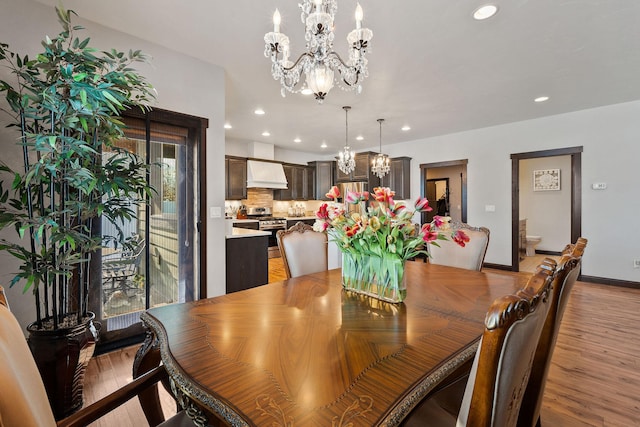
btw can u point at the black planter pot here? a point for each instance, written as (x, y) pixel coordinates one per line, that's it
(62, 357)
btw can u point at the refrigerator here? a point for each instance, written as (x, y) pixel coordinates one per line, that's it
(358, 187)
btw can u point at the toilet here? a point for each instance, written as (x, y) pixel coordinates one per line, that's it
(532, 242)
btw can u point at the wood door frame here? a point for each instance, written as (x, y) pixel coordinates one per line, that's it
(576, 194)
(463, 192)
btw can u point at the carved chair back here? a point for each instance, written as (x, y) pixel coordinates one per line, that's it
(470, 257)
(566, 276)
(303, 250)
(502, 365)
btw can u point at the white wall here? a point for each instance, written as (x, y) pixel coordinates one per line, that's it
(548, 213)
(184, 85)
(611, 154)
(609, 136)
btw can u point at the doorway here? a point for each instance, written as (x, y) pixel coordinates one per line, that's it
(575, 154)
(438, 195)
(444, 184)
(164, 268)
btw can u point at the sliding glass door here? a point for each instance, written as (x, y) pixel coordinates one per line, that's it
(159, 266)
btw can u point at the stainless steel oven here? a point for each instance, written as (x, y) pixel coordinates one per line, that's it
(272, 225)
(266, 222)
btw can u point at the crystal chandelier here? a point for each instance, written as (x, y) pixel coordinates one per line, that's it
(380, 163)
(346, 158)
(319, 62)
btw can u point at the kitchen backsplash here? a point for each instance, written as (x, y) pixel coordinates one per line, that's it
(263, 197)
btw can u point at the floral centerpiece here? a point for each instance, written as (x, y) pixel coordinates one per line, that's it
(375, 244)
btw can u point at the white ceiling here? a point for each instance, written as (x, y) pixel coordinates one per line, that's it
(431, 65)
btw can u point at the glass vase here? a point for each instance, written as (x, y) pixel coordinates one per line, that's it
(380, 277)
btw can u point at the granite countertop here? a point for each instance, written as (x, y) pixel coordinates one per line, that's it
(245, 232)
(243, 220)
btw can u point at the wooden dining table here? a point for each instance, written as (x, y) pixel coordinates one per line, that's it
(305, 352)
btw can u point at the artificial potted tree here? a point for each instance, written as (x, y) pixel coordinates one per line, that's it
(65, 106)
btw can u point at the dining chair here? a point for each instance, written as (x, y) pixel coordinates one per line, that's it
(470, 257)
(566, 276)
(303, 250)
(24, 401)
(575, 249)
(493, 392)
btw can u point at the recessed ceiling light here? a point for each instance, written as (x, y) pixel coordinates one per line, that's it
(541, 99)
(359, 137)
(406, 128)
(297, 140)
(324, 145)
(259, 111)
(306, 91)
(266, 133)
(484, 12)
(227, 126)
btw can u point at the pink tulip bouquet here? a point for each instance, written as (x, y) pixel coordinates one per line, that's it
(375, 244)
(386, 227)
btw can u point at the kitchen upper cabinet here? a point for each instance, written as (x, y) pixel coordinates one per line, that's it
(309, 183)
(324, 178)
(361, 172)
(298, 177)
(235, 169)
(399, 177)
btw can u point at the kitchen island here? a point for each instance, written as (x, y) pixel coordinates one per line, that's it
(247, 262)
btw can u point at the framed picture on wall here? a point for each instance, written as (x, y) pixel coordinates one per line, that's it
(546, 180)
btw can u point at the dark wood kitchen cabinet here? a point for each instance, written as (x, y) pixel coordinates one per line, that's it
(323, 177)
(247, 263)
(399, 177)
(299, 182)
(236, 178)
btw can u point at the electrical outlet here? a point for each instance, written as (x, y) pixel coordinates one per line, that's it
(636, 263)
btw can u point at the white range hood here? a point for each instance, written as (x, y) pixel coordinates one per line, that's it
(265, 175)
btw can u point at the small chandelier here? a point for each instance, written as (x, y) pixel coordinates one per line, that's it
(346, 158)
(319, 62)
(380, 163)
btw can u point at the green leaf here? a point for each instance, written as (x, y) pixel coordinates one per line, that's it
(111, 98)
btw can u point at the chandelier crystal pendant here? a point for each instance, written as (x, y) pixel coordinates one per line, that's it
(321, 65)
(346, 158)
(380, 163)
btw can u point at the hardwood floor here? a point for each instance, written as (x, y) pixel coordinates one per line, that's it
(529, 263)
(276, 270)
(594, 378)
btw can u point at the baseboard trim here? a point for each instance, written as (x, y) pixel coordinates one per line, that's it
(102, 348)
(581, 278)
(497, 266)
(610, 282)
(554, 253)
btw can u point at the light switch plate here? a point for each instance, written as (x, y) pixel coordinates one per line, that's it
(490, 208)
(215, 212)
(599, 185)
